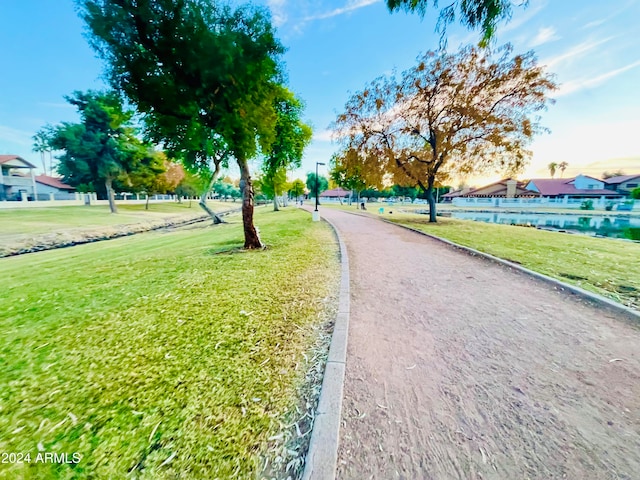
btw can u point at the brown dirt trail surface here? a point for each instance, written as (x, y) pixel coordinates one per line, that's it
(460, 368)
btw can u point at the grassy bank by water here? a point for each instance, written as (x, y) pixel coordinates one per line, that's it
(162, 355)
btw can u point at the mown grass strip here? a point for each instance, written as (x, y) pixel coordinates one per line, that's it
(155, 356)
(604, 266)
(22, 221)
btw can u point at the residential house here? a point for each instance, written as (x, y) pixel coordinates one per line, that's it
(578, 188)
(335, 194)
(52, 188)
(17, 180)
(506, 188)
(623, 184)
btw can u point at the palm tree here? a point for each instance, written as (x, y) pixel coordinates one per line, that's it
(40, 145)
(552, 168)
(563, 166)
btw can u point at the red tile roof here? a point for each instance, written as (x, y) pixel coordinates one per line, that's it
(7, 158)
(334, 193)
(550, 187)
(53, 182)
(521, 190)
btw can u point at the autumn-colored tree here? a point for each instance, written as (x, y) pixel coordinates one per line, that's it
(482, 14)
(552, 168)
(454, 113)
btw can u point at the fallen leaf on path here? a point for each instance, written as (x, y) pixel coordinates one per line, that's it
(411, 367)
(615, 360)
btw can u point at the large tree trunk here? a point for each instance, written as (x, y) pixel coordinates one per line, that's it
(112, 201)
(432, 203)
(146, 204)
(203, 198)
(275, 203)
(251, 238)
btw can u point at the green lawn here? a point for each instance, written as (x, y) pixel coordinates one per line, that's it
(161, 355)
(32, 221)
(605, 266)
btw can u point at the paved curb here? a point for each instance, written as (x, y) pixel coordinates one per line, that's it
(594, 297)
(322, 457)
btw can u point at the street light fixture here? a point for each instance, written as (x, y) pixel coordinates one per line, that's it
(317, 183)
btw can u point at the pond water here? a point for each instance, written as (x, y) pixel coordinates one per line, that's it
(611, 226)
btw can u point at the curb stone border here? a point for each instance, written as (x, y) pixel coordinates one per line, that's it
(322, 456)
(593, 297)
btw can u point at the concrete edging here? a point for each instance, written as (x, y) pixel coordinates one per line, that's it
(594, 297)
(322, 457)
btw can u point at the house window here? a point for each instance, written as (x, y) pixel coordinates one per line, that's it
(632, 185)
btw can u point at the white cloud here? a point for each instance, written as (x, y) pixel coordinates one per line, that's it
(15, 136)
(520, 20)
(574, 52)
(545, 35)
(349, 7)
(323, 136)
(278, 11)
(573, 86)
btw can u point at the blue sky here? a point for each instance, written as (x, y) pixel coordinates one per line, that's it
(337, 46)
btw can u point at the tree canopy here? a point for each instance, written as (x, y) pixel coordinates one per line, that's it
(102, 147)
(322, 183)
(453, 113)
(473, 14)
(199, 71)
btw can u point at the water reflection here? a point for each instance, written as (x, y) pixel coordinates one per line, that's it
(605, 226)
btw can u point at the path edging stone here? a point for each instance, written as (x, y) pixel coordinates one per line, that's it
(322, 456)
(594, 297)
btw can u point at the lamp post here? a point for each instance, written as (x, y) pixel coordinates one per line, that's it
(316, 215)
(317, 183)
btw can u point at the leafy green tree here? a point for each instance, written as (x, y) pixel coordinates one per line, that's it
(346, 171)
(198, 71)
(273, 184)
(190, 186)
(101, 148)
(635, 193)
(473, 14)
(148, 175)
(552, 168)
(292, 135)
(403, 191)
(453, 113)
(323, 183)
(297, 189)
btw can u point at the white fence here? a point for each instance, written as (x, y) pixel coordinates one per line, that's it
(600, 203)
(76, 199)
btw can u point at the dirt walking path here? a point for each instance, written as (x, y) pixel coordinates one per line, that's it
(458, 368)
